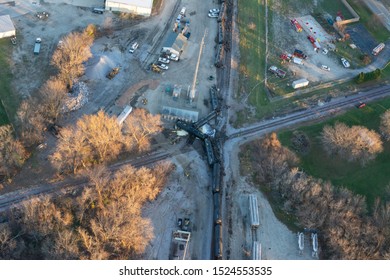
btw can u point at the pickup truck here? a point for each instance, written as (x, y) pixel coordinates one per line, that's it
(300, 54)
(37, 46)
(279, 72)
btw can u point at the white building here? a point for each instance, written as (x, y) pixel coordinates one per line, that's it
(139, 7)
(7, 28)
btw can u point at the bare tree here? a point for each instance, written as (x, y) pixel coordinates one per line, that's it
(140, 126)
(385, 125)
(12, 152)
(98, 139)
(271, 159)
(94, 139)
(355, 143)
(74, 50)
(31, 123)
(7, 242)
(51, 97)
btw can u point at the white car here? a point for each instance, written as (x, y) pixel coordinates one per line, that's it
(173, 57)
(163, 60)
(325, 51)
(211, 15)
(324, 67)
(214, 11)
(345, 62)
(162, 66)
(133, 47)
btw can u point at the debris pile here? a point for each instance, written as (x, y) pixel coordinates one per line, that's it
(77, 98)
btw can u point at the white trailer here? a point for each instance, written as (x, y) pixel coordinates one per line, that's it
(299, 83)
(297, 60)
(125, 113)
(254, 211)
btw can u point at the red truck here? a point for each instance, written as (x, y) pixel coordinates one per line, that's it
(300, 54)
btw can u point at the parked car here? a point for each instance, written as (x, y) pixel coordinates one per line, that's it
(173, 57)
(324, 67)
(162, 66)
(163, 60)
(345, 62)
(133, 47)
(213, 15)
(98, 10)
(214, 11)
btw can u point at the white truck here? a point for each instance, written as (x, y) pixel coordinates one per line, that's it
(37, 46)
(299, 83)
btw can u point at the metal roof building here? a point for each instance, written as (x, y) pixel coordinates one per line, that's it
(139, 7)
(7, 28)
(175, 43)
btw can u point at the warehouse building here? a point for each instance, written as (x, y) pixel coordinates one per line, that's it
(175, 43)
(7, 28)
(138, 7)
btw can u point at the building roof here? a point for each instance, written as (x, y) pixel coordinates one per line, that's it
(176, 41)
(6, 24)
(139, 3)
(180, 42)
(170, 40)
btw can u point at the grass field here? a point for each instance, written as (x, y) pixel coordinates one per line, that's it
(370, 180)
(9, 103)
(252, 51)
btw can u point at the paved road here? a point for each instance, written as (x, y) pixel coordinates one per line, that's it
(379, 9)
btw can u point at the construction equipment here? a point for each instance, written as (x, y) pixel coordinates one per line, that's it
(155, 68)
(113, 73)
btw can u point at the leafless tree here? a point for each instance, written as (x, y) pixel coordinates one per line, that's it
(12, 152)
(30, 122)
(355, 143)
(51, 97)
(385, 125)
(8, 242)
(140, 126)
(74, 50)
(94, 139)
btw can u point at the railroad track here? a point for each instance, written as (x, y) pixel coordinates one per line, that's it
(13, 198)
(311, 114)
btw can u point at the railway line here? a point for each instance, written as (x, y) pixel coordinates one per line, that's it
(312, 114)
(13, 198)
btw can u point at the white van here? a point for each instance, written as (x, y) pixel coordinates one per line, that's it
(183, 11)
(133, 47)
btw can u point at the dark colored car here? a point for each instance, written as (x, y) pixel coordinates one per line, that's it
(179, 222)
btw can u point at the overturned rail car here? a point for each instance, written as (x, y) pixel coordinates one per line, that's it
(191, 129)
(209, 151)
